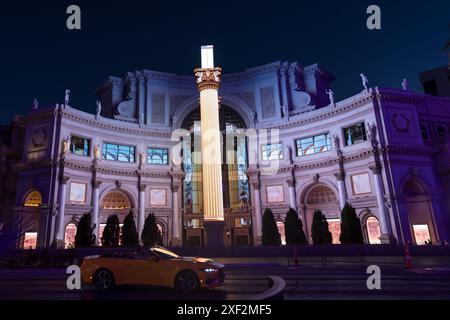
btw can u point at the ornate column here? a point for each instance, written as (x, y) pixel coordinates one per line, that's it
(341, 188)
(382, 211)
(95, 209)
(61, 210)
(141, 214)
(208, 82)
(292, 202)
(284, 92)
(141, 101)
(257, 230)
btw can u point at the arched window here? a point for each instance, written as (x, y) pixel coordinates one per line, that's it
(161, 231)
(69, 238)
(321, 194)
(33, 199)
(116, 201)
(373, 230)
(280, 226)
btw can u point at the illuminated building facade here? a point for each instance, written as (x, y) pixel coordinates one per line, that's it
(385, 151)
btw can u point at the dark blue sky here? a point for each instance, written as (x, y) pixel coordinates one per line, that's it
(40, 58)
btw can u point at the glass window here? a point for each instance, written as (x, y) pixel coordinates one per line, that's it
(158, 156)
(69, 239)
(33, 199)
(441, 131)
(373, 230)
(272, 152)
(241, 222)
(193, 224)
(421, 234)
(334, 226)
(355, 134)
(311, 145)
(118, 153)
(80, 146)
(281, 231)
(30, 240)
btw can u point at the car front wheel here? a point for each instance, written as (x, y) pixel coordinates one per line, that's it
(103, 280)
(187, 281)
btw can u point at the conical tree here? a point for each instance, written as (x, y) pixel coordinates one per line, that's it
(83, 237)
(111, 233)
(150, 233)
(270, 234)
(319, 229)
(351, 232)
(302, 236)
(294, 228)
(130, 237)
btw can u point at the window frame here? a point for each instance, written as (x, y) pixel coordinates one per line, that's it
(162, 161)
(350, 126)
(263, 151)
(104, 153)
(327, 139)
(89, 141)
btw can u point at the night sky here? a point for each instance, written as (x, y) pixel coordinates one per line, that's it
(40, 57)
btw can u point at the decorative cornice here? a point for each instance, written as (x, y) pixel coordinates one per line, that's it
(117, 126)
(320, 114)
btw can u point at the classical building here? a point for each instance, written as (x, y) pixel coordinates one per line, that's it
(385, 151)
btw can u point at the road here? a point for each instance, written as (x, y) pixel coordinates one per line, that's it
(243, 281)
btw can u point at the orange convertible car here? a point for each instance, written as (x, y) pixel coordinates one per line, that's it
(156, 266)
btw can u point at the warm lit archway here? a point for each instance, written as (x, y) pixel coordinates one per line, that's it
(33, 199)
(321, 197)
(420, 212)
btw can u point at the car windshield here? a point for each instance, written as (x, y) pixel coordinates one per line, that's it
(164, 253)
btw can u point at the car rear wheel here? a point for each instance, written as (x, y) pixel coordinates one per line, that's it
(104, 280)
(187, 281)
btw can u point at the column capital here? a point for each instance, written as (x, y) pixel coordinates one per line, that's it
(142, 187)
(63, 179)
(339, 176)
(376, 169)
(175, 187)
(208, 78)
(291, 182)
(256, 185)
(96, 184)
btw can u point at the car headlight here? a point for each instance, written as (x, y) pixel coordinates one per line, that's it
(209, 270)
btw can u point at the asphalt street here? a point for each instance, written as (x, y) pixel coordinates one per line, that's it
(243, 281)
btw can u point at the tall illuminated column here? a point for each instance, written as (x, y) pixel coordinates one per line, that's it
(208, 82)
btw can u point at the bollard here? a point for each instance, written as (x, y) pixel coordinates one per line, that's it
(408, 258)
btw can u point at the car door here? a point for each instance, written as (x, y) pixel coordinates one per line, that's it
(148, 270)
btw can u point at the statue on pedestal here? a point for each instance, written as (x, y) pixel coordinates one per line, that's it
(97, 153)
(99, 108)
(405, 84)
(35, 104)
(365, 82)
(66, 145)
(67, 97)
(330, 94)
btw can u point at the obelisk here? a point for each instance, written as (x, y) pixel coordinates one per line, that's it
(208, 82)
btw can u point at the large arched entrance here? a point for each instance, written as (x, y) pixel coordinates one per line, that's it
(234, 179)
(115, 202)
(420, 212)
(30, 220)
(323, 198)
